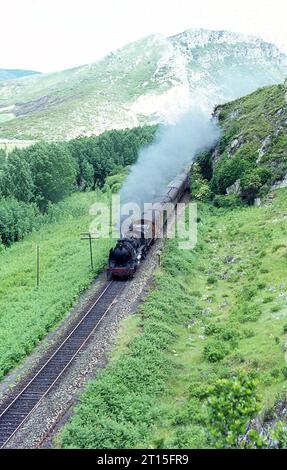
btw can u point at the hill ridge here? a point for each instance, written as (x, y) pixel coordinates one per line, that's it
(151, 80)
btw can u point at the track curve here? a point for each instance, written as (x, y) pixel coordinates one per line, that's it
(32, 393)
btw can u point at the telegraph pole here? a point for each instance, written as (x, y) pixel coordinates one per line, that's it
(38, 265)
(88, 236)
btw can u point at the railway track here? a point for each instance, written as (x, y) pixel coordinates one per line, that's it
(29, 396)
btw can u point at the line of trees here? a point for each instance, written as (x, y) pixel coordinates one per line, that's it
(34, 178)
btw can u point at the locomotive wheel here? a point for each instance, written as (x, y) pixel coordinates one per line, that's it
(109, 276)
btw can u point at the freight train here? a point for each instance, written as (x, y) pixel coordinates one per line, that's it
(132, 248)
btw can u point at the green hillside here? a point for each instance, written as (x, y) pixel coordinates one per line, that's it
(148, 81)
(76, 101)
(251, 157)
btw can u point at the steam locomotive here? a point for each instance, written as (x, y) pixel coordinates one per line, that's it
(132, 248)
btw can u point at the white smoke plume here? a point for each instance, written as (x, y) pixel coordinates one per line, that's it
(173, 148)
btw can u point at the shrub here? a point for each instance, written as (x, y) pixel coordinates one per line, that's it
(212, 280)
(191, 412)
(230, 201)
(247, 313)
(200, 189)
(188, 438)
(204, 161)
(275, 373)
(279, 435)
(198, 390)
(215, 351)
(250, 185)
(231, 404)
(284, 372)
(275, 309)
(212, 328)
(222, 331)
(247, 293)
(248, 333)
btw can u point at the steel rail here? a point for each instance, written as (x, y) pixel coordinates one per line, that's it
(42, 395)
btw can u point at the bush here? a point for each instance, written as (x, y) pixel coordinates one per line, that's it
(114, 183)
(279, 435)
(284, 372)
(198, 390)
(227, 171)
(191, 412)
(200, 189)
(250, 185)
(212, 280)
(230, 201)
(248, 333)
(204, 161)
(215, 351)
(222, 331)
(275, 373)
(247, 313)
(231, 404)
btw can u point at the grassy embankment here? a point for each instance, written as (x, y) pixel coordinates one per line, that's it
(252, 153)
(215, 310)
(27, 314)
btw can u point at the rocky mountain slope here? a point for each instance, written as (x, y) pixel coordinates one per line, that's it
(149, 81)
(251, 157)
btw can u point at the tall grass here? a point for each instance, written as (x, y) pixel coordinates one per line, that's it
(27, 313)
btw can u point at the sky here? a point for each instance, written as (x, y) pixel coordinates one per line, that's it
(50, 35)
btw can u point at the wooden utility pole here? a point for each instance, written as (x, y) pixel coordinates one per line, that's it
(88, 236)
(38, 265)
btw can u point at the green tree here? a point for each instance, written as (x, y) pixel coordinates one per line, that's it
(16, 179)
(53, 172)
(250, 185)
(17, 219)
(84, 169)
(232, 404)
(2, 160)
(200, 189)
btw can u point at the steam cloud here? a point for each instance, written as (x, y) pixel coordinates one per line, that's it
(174, 147)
